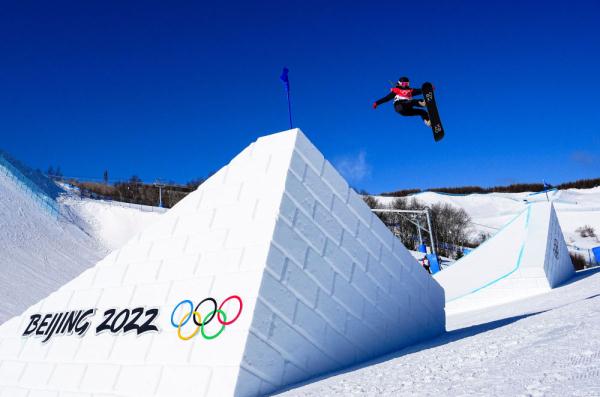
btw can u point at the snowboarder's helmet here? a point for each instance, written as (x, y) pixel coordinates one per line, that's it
(403, 81)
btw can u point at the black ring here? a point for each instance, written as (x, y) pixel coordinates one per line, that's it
(206, 321)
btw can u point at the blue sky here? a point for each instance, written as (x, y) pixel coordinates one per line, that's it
(174, 90)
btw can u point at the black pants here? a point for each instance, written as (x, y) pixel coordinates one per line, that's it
(406, 108)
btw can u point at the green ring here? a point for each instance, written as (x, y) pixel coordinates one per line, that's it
(222, 326)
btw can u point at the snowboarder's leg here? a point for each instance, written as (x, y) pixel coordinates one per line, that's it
(417, 102)
(405, 108)
(398, 107)
(410, 111)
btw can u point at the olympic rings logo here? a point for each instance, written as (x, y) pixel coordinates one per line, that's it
(194, 314)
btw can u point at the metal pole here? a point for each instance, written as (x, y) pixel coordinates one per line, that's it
(289, 107)
(430, 231)
(159, 185)
(419, 230)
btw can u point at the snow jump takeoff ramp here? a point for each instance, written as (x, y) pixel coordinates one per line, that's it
(272, 272)
(527, 257)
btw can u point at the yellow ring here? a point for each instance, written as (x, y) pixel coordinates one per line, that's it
(182, 321)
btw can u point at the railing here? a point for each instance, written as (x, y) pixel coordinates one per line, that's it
(141, 207)
(34, 191)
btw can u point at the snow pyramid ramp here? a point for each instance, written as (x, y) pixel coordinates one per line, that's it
(527, 257)
(272, 272)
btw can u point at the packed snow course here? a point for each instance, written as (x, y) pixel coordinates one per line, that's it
(545, 345)
(51, 236)
(47, 239)
(273, 271)
(528, 256)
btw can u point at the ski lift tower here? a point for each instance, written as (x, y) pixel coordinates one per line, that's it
(425, 212)
(160, 187)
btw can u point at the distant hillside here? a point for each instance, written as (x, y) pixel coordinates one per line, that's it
(513, 188)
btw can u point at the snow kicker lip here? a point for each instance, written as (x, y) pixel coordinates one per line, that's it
(194, 313)
(517, 263)
(528, 256)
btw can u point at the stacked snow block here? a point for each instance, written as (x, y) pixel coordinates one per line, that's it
(272, 272)
(527, 257)
(338, 287)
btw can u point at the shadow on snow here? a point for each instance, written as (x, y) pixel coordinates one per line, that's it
(448, 337)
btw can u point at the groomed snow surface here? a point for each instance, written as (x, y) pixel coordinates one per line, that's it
(548, 345)
(527, 257)
(277, 229)
(41, 249)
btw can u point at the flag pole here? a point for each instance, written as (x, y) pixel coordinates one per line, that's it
(286, 83)
(289, 107)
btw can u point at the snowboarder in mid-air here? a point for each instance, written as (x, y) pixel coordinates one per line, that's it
(404, 104)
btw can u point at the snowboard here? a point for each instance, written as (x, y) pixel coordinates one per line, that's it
(436, 124)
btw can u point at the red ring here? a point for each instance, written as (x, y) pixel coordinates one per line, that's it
(236, 317)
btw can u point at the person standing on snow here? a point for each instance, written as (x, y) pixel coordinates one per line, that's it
(426, 265)
(404, 103)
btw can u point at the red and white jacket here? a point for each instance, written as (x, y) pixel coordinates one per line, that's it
(400, 94)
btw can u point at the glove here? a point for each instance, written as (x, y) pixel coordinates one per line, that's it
(374, 105)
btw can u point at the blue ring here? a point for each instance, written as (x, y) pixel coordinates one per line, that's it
(187, 319)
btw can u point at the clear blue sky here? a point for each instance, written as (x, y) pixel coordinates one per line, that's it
(174, 90)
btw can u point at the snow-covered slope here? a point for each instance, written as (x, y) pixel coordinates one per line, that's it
(542, 346)
(40, 250)
(47, 240)
(112, 223)
(323, 282)
(489, 212)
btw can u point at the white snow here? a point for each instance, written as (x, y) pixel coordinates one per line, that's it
(490, 212)
(112, 223)
(546, 345)
(527, 257)
(44, 246)
(40, 250)
(317, 271)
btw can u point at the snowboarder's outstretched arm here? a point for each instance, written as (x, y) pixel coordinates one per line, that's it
(385, 99)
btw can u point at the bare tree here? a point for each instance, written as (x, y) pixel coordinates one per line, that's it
(450, 224)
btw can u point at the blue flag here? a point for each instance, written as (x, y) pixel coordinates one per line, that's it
(284, 77)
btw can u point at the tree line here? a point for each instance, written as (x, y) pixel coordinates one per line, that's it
(136, 191)
(451, 225)
(513, 188)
